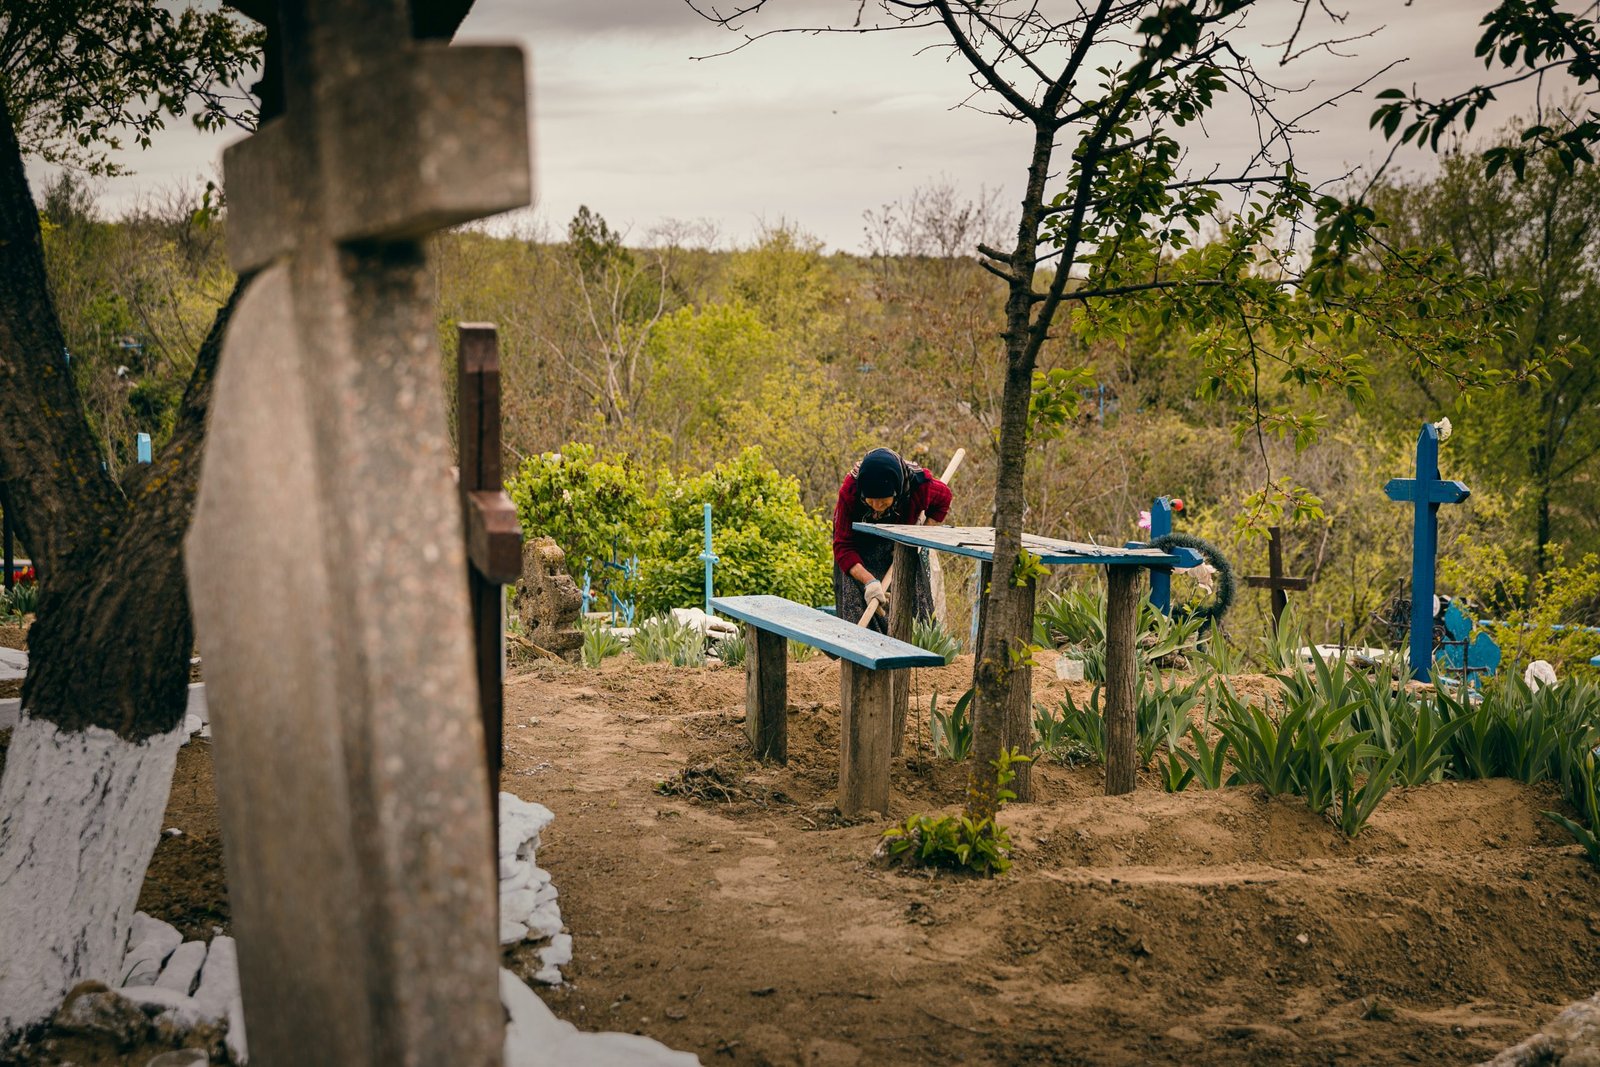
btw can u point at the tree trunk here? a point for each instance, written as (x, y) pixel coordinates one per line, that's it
(1122, 680)
(90, 764)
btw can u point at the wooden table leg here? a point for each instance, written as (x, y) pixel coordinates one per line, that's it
(1017, 730)
(766, 701)
(1122, 671)
(902, 610)
(864, 725)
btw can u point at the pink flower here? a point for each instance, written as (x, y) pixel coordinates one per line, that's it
(1144, 520)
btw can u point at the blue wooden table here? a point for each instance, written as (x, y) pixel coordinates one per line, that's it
(1124, 567)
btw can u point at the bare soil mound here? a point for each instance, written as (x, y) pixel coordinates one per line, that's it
(721, 905)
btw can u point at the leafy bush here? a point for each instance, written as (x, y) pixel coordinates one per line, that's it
(1078, 735)
(764, 539)
(1541, 617)
(589, 504)
(732, 650)
(952, 733)
(981, 846)
(599, 643)
(930, 635)
(1076, 619)
(663, 640)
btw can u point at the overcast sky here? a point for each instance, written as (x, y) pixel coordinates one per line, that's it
(818, 129)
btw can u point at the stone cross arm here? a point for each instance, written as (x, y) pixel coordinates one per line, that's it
(434, 136)
(1432, 491)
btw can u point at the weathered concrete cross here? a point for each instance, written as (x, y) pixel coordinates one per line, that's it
(1275, 579)
(494, 536)
(1427, 491)
(326, 554)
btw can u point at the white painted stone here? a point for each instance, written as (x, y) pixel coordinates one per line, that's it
(192, 724)
(179, 1009)
(706, 624)
(10, 712)
(219, 979)
(153, 941)
(237, 1045)
(13, 664)
(512, 931)
(544, 894)
(544, 921)
(1539, 674)
(536, 1038)
(520, 877)
(80, 814)
(182, 971)
(518, 902)
(558, 953)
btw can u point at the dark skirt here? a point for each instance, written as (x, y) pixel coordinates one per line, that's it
(877, 554)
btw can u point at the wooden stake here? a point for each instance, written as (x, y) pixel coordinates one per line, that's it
(863, 739)
(766, 702)
(902, 608)
(1122, 679)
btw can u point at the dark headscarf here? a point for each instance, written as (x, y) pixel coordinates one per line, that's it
(881, 474)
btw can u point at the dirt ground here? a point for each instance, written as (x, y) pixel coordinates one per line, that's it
(746, 923)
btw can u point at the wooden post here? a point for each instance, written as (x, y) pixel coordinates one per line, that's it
(902, 610)
(494, 534)
(1122, 679)
(864, 726)
(766, 693)
(1017, 729)
(985, 571)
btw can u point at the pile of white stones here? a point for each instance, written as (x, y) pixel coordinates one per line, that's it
(528, 909)
(178, 984)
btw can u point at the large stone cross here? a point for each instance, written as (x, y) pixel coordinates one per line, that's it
(326, 556)
(1427, 491)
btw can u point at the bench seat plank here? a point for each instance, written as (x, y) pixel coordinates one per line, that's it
(977, 542)
(858, 644)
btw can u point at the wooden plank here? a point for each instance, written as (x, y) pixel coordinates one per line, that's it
(902, 608)
(864, 728)
(766, 700)
(977, 542)
(494, 536)
(858, 644)
(1122, 613)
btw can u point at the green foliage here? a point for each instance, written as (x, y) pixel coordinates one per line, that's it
(663, 640)
(1583, 792)
(765, 540)
(960, 842)
(1074, 619)
(952, 731)
(1542, 616)
(1207, 764)
(800, 652)
(732, 650)
(22, 600)
(1071, 734)
(78, 74)
(1057, 395)
(929, 634)
(590, 504)
(599, 643)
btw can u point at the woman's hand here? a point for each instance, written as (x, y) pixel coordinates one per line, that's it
(874, 591)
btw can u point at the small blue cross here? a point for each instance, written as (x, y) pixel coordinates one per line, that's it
(1427, 491)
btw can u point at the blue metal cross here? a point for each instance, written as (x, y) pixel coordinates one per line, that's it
(1427, 491)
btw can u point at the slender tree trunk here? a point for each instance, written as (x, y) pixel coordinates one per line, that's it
(90, 763)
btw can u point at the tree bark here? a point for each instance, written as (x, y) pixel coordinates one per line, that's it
(86, 780)
(1122, 680)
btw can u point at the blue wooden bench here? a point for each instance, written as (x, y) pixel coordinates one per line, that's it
(867, 662)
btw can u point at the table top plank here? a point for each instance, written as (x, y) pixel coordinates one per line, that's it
(977, 542)
(858, 644)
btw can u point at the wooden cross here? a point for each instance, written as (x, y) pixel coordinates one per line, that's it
(494, 536)
(1275, 579)
(1427, 491)
(345, 706)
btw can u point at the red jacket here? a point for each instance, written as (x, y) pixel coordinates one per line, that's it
(930, 497)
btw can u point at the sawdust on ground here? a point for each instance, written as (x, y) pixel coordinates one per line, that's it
(741, 919)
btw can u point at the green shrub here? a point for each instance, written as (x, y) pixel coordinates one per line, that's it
(663, 640)
(1074, 619)
(22, 600)
(800, 652)
(589, 504)
(731, 651)
(599, 643)
(930, 635)
(981, 846)
(764, 539)
(952, 733)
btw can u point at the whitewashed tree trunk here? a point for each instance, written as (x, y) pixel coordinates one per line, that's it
(80, 816)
